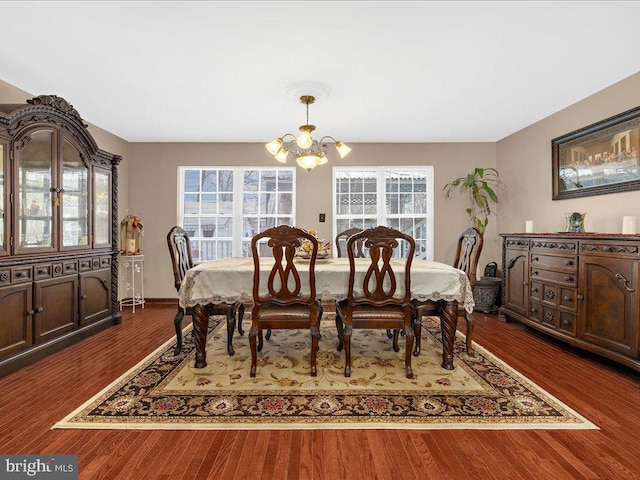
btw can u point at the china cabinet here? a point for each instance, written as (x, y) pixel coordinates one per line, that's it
(580, 288)
(58, 243)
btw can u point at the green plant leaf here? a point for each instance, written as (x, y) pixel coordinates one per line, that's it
(490, 192)
(479, 185)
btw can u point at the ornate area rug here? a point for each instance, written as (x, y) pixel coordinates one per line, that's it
(165, 391)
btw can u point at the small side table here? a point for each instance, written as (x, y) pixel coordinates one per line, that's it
(131, 281)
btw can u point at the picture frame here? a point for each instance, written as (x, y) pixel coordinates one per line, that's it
(598, 159)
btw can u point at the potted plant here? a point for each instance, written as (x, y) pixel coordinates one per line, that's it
(480, 186)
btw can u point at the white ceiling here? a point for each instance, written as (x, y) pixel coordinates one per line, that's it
(417, 71)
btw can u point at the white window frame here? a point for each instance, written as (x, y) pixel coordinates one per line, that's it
(238, 215)
(381, 210)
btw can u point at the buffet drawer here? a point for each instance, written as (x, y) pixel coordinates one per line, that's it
(561, 278)
(565, 263)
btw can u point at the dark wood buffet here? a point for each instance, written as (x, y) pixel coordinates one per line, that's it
(581, 288)
(58, 231)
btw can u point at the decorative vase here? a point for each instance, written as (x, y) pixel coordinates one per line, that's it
(575, 222)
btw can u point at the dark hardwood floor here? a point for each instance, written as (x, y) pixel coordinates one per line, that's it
(34, 398)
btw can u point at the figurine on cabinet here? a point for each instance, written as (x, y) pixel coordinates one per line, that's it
(575, 222)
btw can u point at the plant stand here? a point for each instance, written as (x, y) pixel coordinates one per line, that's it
(131, 281)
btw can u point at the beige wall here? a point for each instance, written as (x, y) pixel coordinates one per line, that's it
(153, 191)
(105, 140)
(524, 162)
(148, 180)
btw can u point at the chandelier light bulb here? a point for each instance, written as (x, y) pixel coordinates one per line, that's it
(308, 160)
(343, 149)
(304, 140)
(282, 155)
(274, 146)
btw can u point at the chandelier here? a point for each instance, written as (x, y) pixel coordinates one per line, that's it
(309, 153)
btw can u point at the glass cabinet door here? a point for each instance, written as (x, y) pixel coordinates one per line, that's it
(74, 197)
(102, 207)
(35, 189)
(3, 197)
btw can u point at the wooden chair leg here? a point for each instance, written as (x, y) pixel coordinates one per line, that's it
(347, 351)
(320, 311)
(231, 326)
(240, 317)
(417, 332)
(340, 329)
(177, 321)
(253, 333)
(315, 337)
(395, 335)
(471, 322)
(409, 337)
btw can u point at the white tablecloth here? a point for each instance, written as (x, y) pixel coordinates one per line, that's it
(231, 280)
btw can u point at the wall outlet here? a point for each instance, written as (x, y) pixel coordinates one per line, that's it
(321, 218)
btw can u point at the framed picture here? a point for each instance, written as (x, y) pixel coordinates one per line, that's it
(598, 159)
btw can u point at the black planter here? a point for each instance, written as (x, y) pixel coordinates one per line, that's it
(485, 294)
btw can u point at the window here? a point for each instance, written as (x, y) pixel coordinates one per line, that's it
(222, 208)
(400, 198)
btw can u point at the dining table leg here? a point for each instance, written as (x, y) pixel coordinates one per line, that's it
(200, 325)
(448, 325)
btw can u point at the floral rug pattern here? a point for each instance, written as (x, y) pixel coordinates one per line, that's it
(165, 392)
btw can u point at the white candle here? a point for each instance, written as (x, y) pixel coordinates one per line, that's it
(629, 224)
(528, 226)
(131, 246)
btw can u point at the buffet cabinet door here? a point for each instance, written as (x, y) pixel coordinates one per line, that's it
(16, 327)
(516, 271)
(55, 302)
(608, 303)
(95, 295)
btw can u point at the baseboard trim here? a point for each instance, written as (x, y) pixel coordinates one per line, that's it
(161, 301)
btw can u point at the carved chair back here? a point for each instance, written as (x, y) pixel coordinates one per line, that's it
(468, 253)
(379, 287)
(341, 240)
(284, 285)
(180, 251)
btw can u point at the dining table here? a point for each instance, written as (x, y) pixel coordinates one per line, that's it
(230, 280)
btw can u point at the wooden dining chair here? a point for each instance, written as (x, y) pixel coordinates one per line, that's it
(341, 242)
(181, 259)
(467, 255)
(284, 301)
(377, 302)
